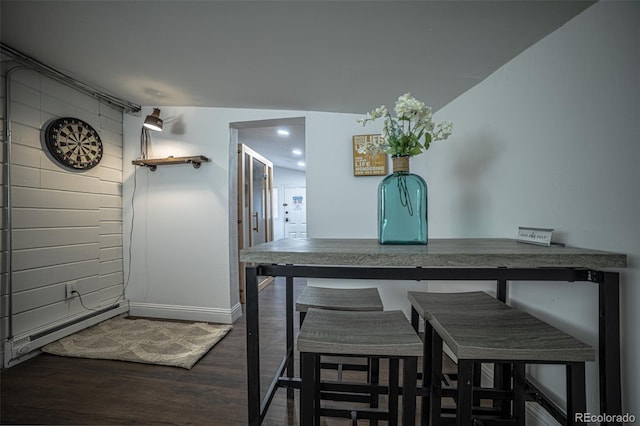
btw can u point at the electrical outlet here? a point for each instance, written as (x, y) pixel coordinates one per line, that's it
(72, 287)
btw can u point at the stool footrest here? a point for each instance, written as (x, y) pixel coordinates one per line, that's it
(361, 413)
(343, 367)
(346, 397)
(487, 412)
(450, 419)
(350, 387)
(481, 393)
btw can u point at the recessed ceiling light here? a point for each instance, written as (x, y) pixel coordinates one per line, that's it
(283, 132)
(301, 163)
(296, 152)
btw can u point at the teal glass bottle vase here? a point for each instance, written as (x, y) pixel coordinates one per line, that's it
(402, 206)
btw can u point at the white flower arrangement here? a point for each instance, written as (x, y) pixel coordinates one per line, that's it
(410, 133)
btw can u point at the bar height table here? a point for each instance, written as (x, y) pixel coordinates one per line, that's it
(477, 259)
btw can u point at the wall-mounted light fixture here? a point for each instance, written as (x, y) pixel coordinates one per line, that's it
(153, 121)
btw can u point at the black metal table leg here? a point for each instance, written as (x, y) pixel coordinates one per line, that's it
(576, 395)
(519, 384)
(502, 372)
(435, 392)
(409, 383)
(394, 369)
(501, 290)
(465, 392)
(253, 346)
(308, 390)
(427, 366)
(609, 343)
(290, 349)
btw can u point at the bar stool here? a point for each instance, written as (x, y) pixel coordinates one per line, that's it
(421, 308)
(344, 299)
(383, 334)
(477, 327)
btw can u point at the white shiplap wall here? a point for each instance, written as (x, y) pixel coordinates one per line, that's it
(67, 225)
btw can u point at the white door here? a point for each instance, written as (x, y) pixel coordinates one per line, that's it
(295, 212)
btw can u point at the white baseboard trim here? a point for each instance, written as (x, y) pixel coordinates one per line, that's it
(236, 312)
(188, 313)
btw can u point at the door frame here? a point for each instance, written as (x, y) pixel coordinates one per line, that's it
(246, 156)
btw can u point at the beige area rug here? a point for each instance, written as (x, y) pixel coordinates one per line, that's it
(176, 344)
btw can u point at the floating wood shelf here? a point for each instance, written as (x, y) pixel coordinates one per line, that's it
(153, 163)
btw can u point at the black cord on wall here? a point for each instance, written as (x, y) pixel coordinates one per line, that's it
(126, 283)
(133, 216)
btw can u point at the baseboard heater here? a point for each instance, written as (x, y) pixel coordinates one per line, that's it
(21, 348)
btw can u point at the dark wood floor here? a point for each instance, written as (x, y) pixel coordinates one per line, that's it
(56, 390)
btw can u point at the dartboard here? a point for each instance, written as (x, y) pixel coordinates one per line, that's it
(73, 143)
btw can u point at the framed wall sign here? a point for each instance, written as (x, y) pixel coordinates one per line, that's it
(368, 164)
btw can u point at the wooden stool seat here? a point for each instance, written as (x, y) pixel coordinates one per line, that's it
(379, 333)
(385, 334)
(479, 328)
(339, 299)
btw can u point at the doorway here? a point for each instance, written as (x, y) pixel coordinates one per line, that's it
(255, 206)
(280, 141)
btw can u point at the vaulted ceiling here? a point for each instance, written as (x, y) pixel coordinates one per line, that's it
(343, 56)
